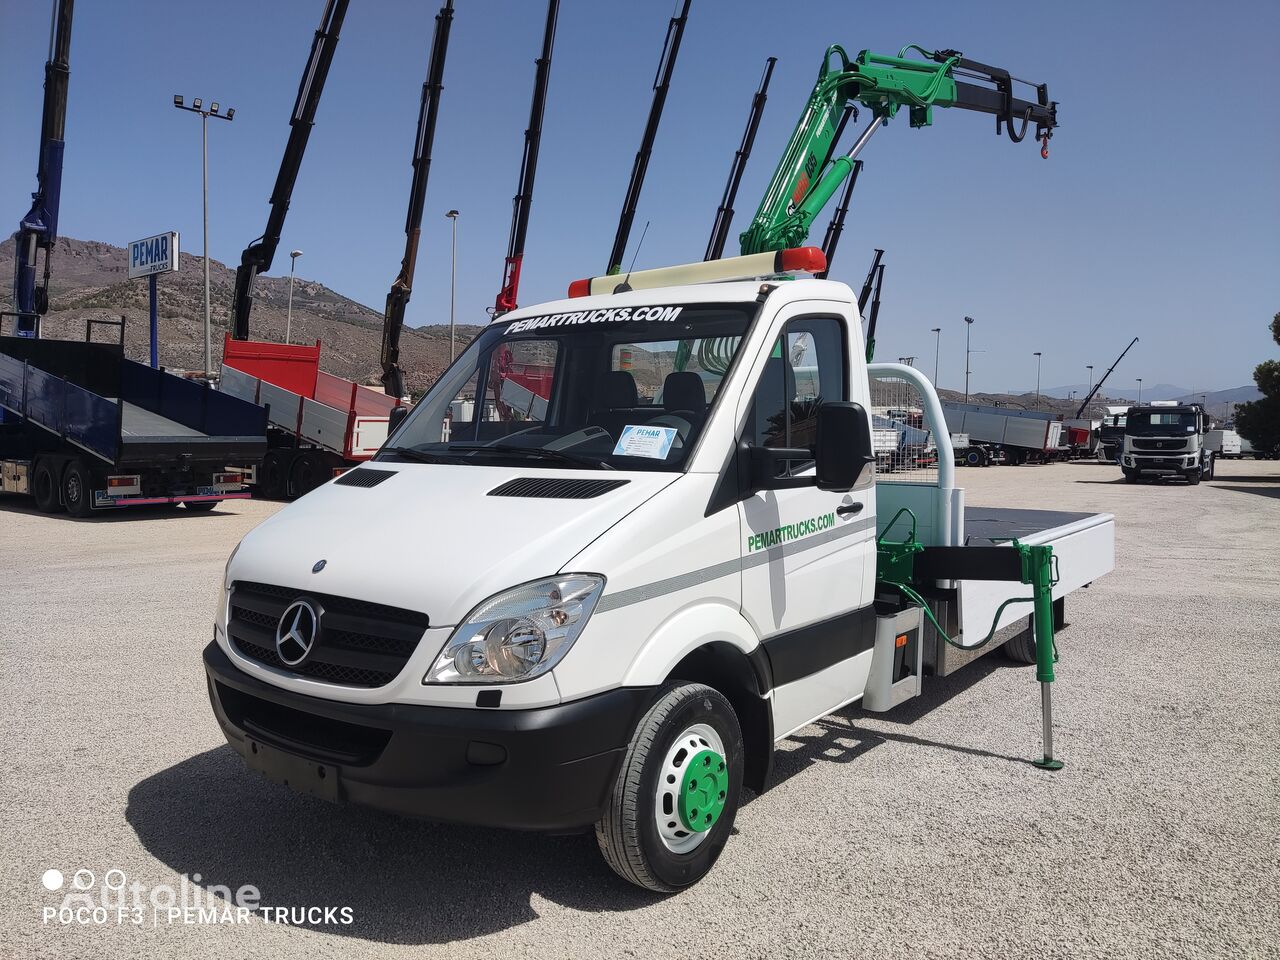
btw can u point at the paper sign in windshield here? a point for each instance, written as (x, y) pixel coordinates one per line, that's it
(652, 442)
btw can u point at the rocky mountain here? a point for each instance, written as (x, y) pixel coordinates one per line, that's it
(90, 281)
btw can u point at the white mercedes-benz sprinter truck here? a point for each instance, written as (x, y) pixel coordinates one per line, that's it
(623, 545)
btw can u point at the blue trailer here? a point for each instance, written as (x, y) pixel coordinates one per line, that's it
(85, 429)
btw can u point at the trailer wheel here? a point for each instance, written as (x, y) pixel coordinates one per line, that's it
(274, 475)
(44, 487)
(677, 793)
(973, 458)
(1022, 648)
(305, 474)
(77, 489)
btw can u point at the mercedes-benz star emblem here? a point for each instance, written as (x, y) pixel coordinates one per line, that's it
(297, 631)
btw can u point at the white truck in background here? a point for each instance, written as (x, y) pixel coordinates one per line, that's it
(1021, 436)
(1166, 439)
(1226, 444)
(606, 617)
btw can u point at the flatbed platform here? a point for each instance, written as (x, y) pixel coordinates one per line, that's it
(983, 525)
(137, 422)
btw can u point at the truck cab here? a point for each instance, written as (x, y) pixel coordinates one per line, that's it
(1166, 439)
(625, 544)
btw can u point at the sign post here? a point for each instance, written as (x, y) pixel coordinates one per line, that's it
(149, 258)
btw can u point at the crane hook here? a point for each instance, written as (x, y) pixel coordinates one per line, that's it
(1044, 146)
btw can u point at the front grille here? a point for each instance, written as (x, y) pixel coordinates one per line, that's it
(556, 488)
(1140, 444)
(359, 644)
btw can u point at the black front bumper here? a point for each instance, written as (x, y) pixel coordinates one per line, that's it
(550, 768)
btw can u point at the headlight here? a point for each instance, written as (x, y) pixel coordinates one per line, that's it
(518, 634)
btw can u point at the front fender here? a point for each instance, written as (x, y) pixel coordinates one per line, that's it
(683, 632)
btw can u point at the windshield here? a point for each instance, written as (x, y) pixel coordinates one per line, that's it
(1170, 423)
(627, 388)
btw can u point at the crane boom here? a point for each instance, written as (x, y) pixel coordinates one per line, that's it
(724, 214)
(831, 240)
(1098, 386)
(809, 174)
(38, 230)
(509, 294)
(402, 286)
(257, 256)
(661, 84)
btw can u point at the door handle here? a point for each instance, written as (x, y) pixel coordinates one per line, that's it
(849, 508)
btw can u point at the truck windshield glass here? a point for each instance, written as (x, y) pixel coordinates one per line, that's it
(623, 388)
(1171, 423)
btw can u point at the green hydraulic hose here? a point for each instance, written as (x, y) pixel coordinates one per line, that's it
(919, 601)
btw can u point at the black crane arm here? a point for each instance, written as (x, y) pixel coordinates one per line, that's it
(661, 84)
(38, 230)
(402, 286)
(508, 295)
(257, 256)
(724, 213)
(1098, 386)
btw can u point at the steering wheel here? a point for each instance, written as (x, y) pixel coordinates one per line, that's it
(681, 420)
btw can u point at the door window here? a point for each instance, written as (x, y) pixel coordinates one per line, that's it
(805, 369)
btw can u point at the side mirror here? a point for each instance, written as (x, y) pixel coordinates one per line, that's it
(843, 449)
(395, 418)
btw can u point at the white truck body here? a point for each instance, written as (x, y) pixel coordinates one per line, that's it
(682, 570)
(1225, 444)
(1026, 430)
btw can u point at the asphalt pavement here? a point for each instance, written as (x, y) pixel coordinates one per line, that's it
(921, 832)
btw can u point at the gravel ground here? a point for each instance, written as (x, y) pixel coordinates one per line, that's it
(923, 832)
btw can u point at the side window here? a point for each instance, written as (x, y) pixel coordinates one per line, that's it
(805, 369)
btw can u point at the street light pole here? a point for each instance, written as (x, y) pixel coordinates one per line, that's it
(197, 106)
(1139, 391)
(1038, 353)
(288, 323)
(453, 279)
(937, 345)
(968, 324)
(1089, 367)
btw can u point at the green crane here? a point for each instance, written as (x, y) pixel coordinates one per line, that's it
(809, 173)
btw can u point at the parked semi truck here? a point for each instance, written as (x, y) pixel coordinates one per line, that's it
(319, 424)
(86, 429)
(603, 611)
(1165, 440)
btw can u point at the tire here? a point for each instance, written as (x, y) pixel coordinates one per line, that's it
(1193, 478)
(77, 489)
(200, 506)
(273, 475)
(1130, 476)
(658, 853)
(305, 474)
(973, 458)
(44, 487)
(1022, 648)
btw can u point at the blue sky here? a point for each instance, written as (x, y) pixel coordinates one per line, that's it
(1156, 216)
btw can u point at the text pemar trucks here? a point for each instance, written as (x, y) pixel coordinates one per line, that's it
(624, 545)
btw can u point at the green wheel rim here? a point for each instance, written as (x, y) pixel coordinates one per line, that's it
(703, 790)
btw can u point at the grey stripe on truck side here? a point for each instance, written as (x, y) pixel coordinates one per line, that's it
(647, 591)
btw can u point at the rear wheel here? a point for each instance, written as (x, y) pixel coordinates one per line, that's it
(273, 475)
(677, 793)
(305, 475)
(1022, 648)
(200, 506)
(44, 487)
(1208, 474)
(77, 489)
(973, 458)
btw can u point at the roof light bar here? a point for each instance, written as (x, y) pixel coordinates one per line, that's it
(749, 267)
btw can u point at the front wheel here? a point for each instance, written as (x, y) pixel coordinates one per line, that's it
(1193, 477)
(677, 793)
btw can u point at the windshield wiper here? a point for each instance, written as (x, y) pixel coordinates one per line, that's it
(418, 456)
(541, 453)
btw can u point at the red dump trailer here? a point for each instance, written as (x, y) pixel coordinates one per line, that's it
(319, 424)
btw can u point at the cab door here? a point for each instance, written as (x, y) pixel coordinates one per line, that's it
(808, 556)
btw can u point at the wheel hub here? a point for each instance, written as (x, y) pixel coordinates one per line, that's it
(703, 790)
